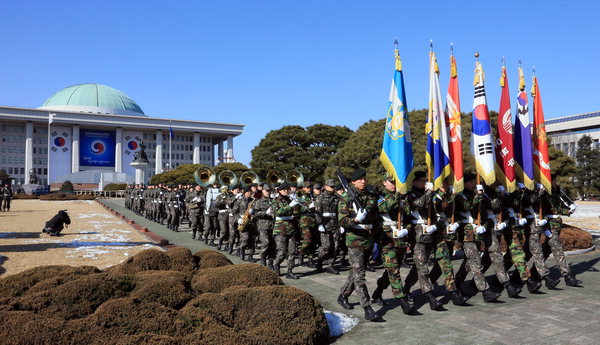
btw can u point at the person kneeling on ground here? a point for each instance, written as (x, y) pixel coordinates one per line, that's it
(60, 221)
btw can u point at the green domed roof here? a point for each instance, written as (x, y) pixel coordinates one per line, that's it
(93, 98)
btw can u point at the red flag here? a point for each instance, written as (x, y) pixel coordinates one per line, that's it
(454, 128)
(541, 159)
(505, 154)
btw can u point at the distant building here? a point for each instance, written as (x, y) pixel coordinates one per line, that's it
(566, 131)
(95, 131)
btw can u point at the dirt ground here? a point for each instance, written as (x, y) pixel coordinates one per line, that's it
(95, 236)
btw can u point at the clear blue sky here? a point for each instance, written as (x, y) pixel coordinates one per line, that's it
(266, 64)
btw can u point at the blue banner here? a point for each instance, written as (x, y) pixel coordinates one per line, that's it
(97, 148)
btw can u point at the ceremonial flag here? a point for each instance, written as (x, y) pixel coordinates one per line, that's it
(396, 152)
(171, 130)
(523, 147)
(505, 160)
(454, 128)
(437, 155)
(541, 158)
(482, 147)
(51, 118)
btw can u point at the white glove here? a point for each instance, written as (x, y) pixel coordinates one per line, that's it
(541, 222)
(520, 185)
(450, 189)
(251, 211)
(321, 228)
(450, 229)
(540, 186)
(238, 196)
(548, 233)
(429, 186)
(501, 189)
(501, 226)
(480, 230)
(239, 221)
(312, 205)
(293, 203)
(398, 233)
(196, 199)
(522, 221)
(479, 188)
(572, 207)
(269, 211)
(430, 229)
(361, 215)
(342, 230)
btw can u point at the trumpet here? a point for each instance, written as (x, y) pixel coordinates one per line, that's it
(249, 177)
(204, 176)
(228, 178)
(295, 176)
(274, 177)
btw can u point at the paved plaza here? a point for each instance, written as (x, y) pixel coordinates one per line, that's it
(566, 315)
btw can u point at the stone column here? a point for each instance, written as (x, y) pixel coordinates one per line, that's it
(230, 158)
(196, 158)
(158, 162)
(119, 151)
(75, 149)
(28, 150)
(220, 157)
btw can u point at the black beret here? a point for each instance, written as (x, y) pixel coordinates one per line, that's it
(420, 174)
(469, 177)
(339, 186)
(284, 185)
(317, 186)
(358, 174)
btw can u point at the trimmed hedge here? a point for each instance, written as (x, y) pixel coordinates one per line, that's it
(63, 196)
(115, 186)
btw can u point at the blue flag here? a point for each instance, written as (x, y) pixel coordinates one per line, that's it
(396, 152)
(522, 138)
(171, 130)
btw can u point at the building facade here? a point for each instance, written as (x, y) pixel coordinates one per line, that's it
(566, 131)
(85, 131)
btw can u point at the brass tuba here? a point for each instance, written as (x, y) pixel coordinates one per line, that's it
(275, 177)
(204, 176)
(295, 176)
(249, 177)
(228, 178)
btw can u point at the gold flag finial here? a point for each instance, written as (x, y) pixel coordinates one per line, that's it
(398, 61)
(503, 76)
(453, 70)
(533, 86)
(521, 78)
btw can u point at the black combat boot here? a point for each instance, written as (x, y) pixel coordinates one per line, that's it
(370, 268)
(290, 274)
(226, 248)
(434, 304)
(212, 243)
(206, 240)
(219, 246)
(332, 270)
(343, 301)
(310, 263)
(377, 298)
(570, 280)
(301, 259)
(550, 282)
(406, 306)
(370, 314)
(490, 296)
(457, 298)
(230, 251)
(277, 270)
(263, 262)
(250, 258)
(319, 266)
(533, 285)
(511, 289)
(408, 295)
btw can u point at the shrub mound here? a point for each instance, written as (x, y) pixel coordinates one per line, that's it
(210, 259)
(63, 196)
(574, 238)
(25, 196)
(158, 298)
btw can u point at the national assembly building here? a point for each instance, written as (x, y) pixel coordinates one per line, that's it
(94, 133)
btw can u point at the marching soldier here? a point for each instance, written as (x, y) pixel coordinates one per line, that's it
(307, 224)
(393, 244)
(195, 205)
(211, 215)
(284, 230)
(468, 204)
(326, 205)
(234, 214)
(339, 237)
(357, 214)
(263, 215)
(245, 225)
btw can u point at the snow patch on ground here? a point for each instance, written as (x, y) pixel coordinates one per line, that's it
(92, 250)
(339, 323)
(92, 215)
(587, 211)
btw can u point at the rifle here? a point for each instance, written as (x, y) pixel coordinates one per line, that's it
(351, 193)
(564, 197)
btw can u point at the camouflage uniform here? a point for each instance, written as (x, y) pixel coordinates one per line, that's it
(393, 249)
(284, 231)
(467, 206)
(326, 205)
(223, 217)
(211, 216)
(263, 216)
(195, 205)
(492, 256)
(359, 239)
(247, 233)
(234, 211)
(307, 225)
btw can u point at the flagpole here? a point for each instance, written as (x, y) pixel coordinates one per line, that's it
(400, 208)
(170, 145)
(534, 94)
(50, 116)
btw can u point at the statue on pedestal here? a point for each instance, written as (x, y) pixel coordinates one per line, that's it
(33, 179)
(140, 155)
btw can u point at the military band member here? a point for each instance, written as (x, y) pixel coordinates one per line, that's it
(359, 226)
(223, 217)
(263, 215)
(284, 230)
(211, 216)
(307, 224)
(326, 205)
(247, 232)
(195, 205)
(7, 195)
(233, 203)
